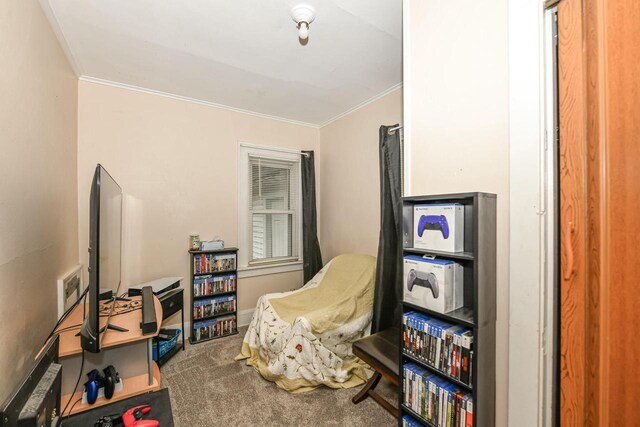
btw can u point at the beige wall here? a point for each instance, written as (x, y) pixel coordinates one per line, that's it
(350, 179)
(38, 203)
(458, 99)
(177, 164)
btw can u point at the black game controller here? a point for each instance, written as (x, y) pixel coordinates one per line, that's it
(109, 421)
(111, 378)
(426, 280)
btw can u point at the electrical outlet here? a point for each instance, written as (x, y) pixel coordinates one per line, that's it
(69, 289)
(71, 286)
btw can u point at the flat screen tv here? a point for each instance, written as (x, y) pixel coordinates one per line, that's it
(105, 247)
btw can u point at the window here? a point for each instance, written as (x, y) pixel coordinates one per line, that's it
(269, 210)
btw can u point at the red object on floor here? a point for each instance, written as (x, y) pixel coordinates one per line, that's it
(133, 417)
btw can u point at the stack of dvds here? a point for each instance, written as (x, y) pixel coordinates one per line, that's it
(437, 400)
(213, 306)
(211, 263)
(409, 421)
(215, 327)
(441, 345)
(209, 285)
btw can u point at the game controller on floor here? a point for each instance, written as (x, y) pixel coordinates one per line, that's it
(433, 222)
(131, 418)
(426, 280)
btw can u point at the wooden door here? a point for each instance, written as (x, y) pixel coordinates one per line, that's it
(599, 121)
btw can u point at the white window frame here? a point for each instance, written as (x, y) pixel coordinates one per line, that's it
(245, 150)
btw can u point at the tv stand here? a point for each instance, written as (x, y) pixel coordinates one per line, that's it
(122, 345)
(113, 328)
(110, 327)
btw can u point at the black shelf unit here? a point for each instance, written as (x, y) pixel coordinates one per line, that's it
(216, 294)
(172, 302)
(214, 273)
(213, 316)
(406, 410)
(434, 370)
(479, 311)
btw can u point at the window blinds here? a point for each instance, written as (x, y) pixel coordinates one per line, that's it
(273, 209)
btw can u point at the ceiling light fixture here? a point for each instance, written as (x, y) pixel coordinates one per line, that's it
(303, 15)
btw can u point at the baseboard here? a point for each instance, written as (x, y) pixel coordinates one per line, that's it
(244, 316)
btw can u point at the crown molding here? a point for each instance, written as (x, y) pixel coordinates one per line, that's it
(62, 40)
(362, 104)
(119, 85)
(111, 83)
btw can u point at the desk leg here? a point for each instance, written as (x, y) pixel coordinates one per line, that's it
(150, 360)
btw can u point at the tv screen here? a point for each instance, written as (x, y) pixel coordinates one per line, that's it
(105, 244)
(110, 232)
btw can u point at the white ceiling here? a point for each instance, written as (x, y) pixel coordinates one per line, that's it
(243, 54)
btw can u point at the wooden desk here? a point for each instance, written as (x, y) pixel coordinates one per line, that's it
(70, 343)
(70, 351)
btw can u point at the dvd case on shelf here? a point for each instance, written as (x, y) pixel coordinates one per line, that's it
(435, 399)
(212, 263)
(216, 327)
(213, 306)
(409, 421)
(211, 285)
(443, 346)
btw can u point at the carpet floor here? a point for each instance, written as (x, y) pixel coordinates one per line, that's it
(208, 388)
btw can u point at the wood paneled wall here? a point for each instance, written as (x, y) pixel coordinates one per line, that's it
(621, 23)
(573, 211)
(599, 104)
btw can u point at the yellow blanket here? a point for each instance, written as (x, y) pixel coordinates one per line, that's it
(302, 339)
(346, 293)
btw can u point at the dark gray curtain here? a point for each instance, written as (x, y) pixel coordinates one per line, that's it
(310, 245)
(386, 308)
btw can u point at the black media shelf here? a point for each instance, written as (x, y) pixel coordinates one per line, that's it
(214, 251)
(213, 316)
(415, 416)
(214, 338)
(213, 273)
(466, 256)
(462, 316)
(226, 258)
(478, 313)
(436, 371)
(218, 294)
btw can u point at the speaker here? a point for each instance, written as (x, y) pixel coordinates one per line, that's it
(149, 323)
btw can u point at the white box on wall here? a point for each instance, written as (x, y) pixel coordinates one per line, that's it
(434, 284)
(69, 289)
(439, 227)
